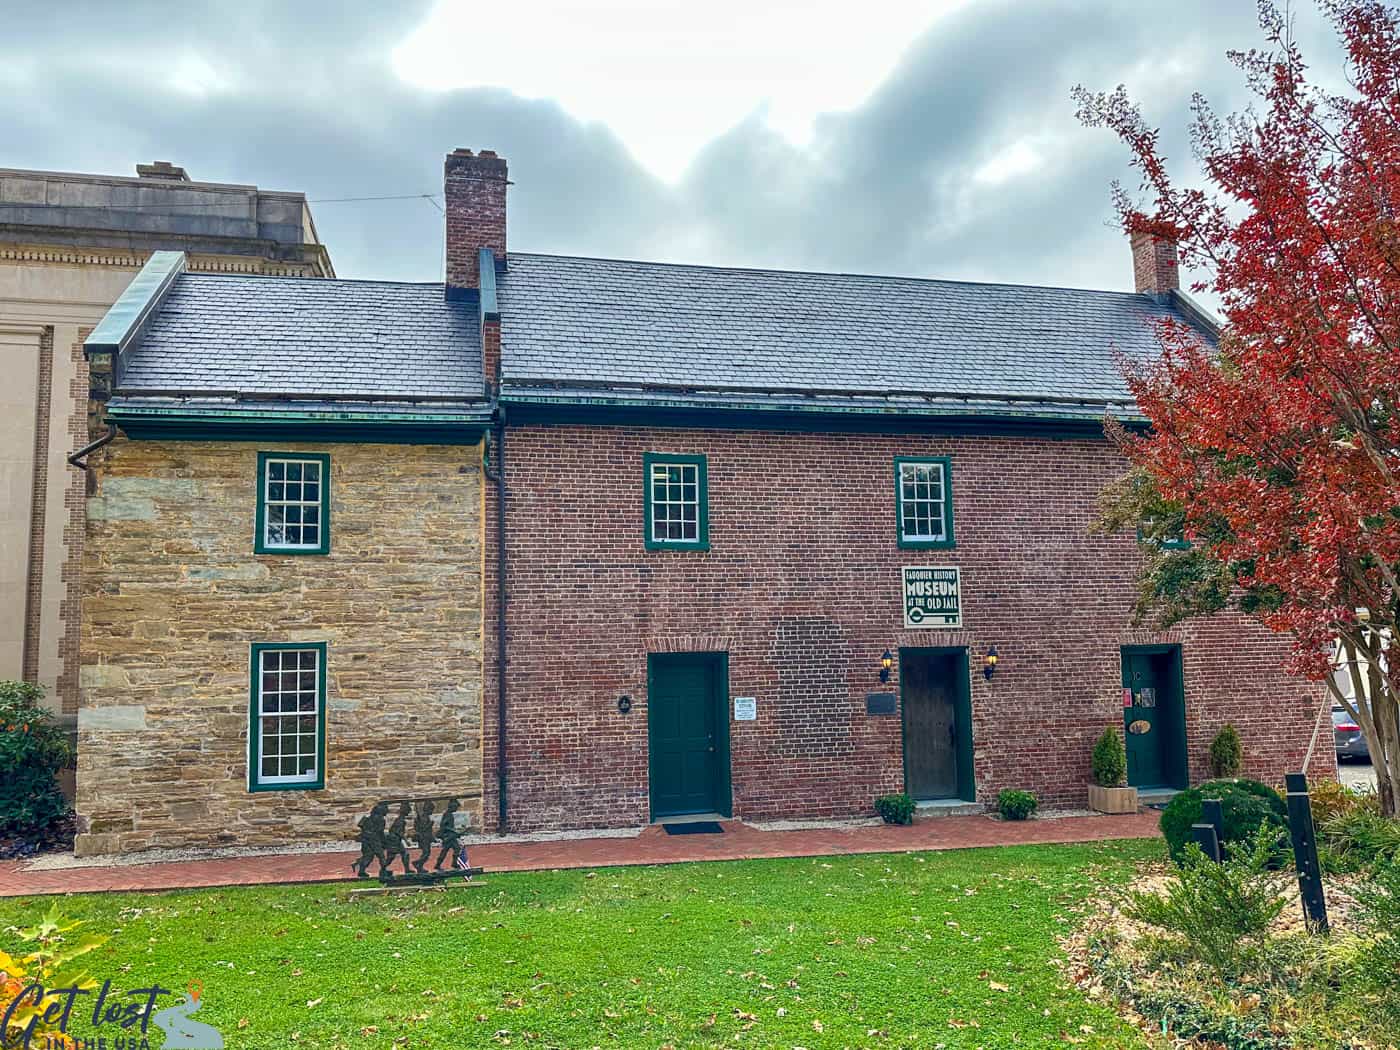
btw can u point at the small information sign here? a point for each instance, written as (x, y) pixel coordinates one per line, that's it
(745, 709)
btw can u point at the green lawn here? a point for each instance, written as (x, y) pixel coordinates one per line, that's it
(953, 948)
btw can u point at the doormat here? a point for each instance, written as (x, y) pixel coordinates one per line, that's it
(695, 827)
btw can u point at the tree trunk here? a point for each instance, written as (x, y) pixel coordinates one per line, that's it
(1373, 704)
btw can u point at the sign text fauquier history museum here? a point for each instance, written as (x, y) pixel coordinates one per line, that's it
(932, 596)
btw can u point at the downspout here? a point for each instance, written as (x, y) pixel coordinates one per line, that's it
(79, 458)
(494, 469)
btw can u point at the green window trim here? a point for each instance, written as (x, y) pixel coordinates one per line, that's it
(944, 542)
(701, 542)
(257, 780)
(323, 523)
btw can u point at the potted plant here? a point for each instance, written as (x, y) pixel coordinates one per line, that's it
(1109, 793)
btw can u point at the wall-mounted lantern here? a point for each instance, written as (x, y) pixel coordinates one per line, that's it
(989, 663)
(886, 662)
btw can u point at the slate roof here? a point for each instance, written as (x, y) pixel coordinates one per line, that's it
(776, 337)
(312, 340)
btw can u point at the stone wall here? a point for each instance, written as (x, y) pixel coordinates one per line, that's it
(173, 597)
(801, 587)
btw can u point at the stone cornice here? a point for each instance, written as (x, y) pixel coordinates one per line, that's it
(199, 262)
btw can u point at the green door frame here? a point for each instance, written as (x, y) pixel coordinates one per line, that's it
(962, 712)
(1176, 760)
(724, 787)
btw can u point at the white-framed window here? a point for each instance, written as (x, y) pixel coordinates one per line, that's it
(287, 738)
(293, 514)
(924, 502)
(676, 502)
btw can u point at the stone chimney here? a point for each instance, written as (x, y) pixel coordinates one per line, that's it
(474, 186)
(1154, 264)
(163, 170)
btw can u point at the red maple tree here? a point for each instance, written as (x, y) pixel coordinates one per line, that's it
(1280, 448)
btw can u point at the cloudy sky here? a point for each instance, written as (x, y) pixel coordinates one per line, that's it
(924, 137)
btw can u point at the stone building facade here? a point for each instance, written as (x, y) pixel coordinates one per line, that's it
(175, 599)
(281, 615)
(69, 246)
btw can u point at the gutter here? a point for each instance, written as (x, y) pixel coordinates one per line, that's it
(495, 472)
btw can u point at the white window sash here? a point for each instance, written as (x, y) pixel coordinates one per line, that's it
(312, 775)
(937, 509)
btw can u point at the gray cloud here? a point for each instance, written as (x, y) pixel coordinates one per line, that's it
(300, 100)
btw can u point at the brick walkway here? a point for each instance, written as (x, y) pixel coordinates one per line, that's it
(653, 846)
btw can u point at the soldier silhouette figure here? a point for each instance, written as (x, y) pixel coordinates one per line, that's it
(450, 838)
(394, 848)
(423, 834)
(372, 840)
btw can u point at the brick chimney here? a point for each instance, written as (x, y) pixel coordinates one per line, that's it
(474, 186)
(1154, 264)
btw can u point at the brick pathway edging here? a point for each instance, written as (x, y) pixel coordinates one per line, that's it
(739, 842)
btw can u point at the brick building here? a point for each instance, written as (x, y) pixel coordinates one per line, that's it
(735, 497)
(761, 535)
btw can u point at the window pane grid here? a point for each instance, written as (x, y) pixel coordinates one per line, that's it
(292, 503)
(922, 502)
(675, 502)
(288, 715)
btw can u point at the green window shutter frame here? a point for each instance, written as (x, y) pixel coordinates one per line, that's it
(918, 543)
(702, 538)
(255, 783)
(260, 545)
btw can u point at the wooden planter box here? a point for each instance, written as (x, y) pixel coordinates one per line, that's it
(1113, 800)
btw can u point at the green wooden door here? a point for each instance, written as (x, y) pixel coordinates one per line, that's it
(1151, 699)
(688, 734)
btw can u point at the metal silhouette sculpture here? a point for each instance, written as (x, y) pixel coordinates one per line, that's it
(386, 843)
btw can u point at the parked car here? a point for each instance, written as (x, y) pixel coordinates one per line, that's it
(1351, 742)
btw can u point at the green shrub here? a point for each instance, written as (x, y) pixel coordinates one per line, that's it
(1226, 754)
(1016, 805)
(1245, 804)
(895, 809)
(1378, 910)
(1110, 760)
(1223, 911)
(33, 748)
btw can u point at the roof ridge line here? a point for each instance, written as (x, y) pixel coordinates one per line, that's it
(827, 273)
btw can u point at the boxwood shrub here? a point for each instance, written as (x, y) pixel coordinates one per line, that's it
(895, 809)
(1016, 805)
(1245, 805)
